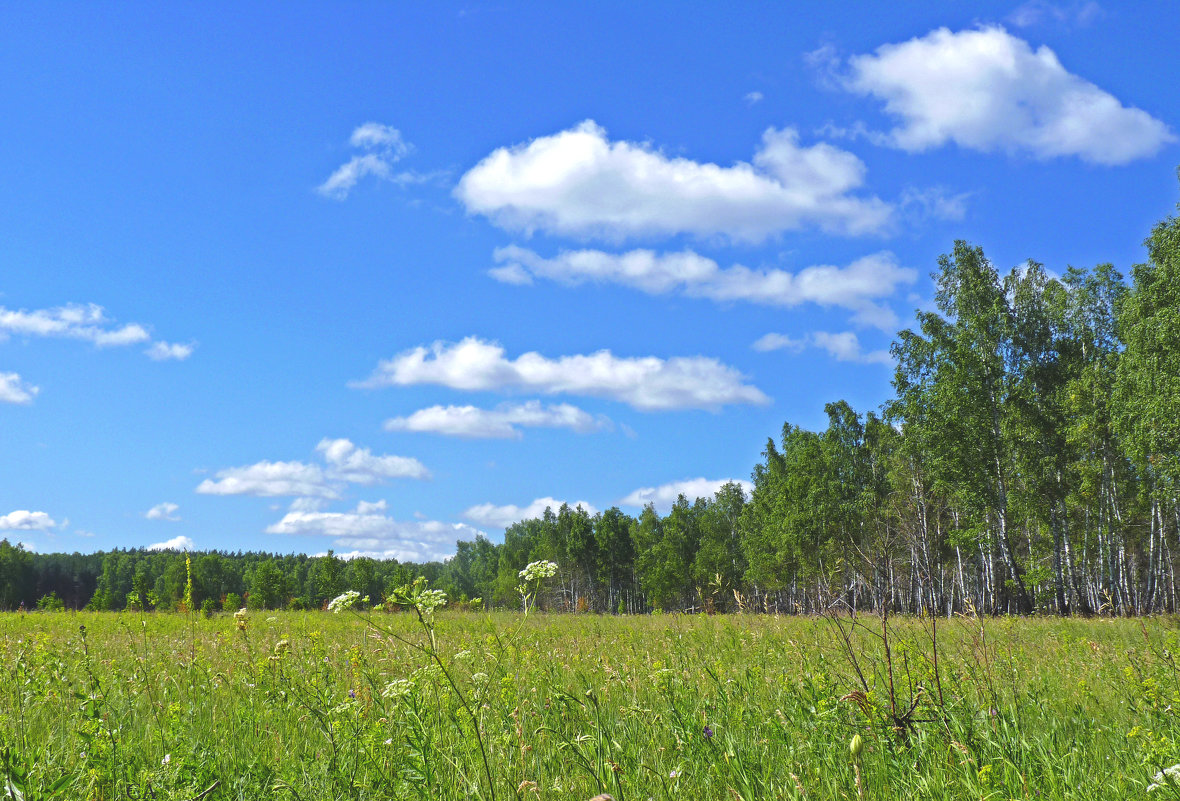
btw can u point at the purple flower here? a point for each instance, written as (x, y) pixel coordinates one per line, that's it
(708, 732)
(352, 693)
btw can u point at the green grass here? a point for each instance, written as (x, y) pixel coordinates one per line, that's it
(167, 706)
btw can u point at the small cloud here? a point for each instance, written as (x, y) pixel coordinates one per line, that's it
(843, 346)
(752, 97)
(383, 146)
(165, 351)
(503, 422)
(163, 511)
(13, 389)
(180, 543)
(24, 520)
(934, 202)
(769, 342)
(1038, 12)
(665, 495)
(487, 514)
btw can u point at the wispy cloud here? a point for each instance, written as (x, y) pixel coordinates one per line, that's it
(843, 346)
(174, 351)
(503, 422)
(858, 287)
(648, 383)
(381, 146)
(163, 511)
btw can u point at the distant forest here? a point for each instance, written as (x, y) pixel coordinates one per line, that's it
(1029, 461)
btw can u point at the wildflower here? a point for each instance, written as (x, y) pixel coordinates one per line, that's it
(674, 774)
(535, 571)
(167, 758)
(282, 647)
(240, 618)
(1168, 777)
(429, 600)
(708, 732)
(343, 601)
(352, 694)
(397, 689)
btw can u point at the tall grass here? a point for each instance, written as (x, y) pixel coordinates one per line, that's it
(317, 706)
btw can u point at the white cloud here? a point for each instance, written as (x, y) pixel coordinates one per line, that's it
(665, 495)
(367, 532)
(502, 422)
(15, 390)
(270, 479)
(1036, 12)
(769, 342)
(72, 321)
(375, 136)
(988, 90)
(578, 182)
(384, 146)
(933, 202)
(180, 543)
(856, 287)
(492, 516)
(347, 462)
(24, 520)
(344, 463)
(164, 351)
(647, 383)
(753, 97)
(843, 346)
(163, 511)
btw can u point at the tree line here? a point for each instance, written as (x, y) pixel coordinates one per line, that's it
(1028, 461)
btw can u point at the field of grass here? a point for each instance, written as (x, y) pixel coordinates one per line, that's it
(321, 706)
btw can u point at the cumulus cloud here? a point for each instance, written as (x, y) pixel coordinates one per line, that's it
(503, 422)
(170, 351)
(163, 511)
(347, 462)
(492, 516)
(843, 346)
(366, 531)
(13, 389)
(857, 287)
(344, 463)
(647, 383)
(382, 146)
(579, 183)
(270, 479)
(987, 90)
(180, 543)
(665, 495)
(24, 520)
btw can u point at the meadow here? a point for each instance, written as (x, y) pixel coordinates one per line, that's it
(377, 705)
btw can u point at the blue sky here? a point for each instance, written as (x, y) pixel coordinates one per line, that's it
(373, 277)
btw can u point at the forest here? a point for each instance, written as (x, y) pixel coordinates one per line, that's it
(1026, 463)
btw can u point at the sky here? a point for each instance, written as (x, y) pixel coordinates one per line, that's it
(377, 277)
